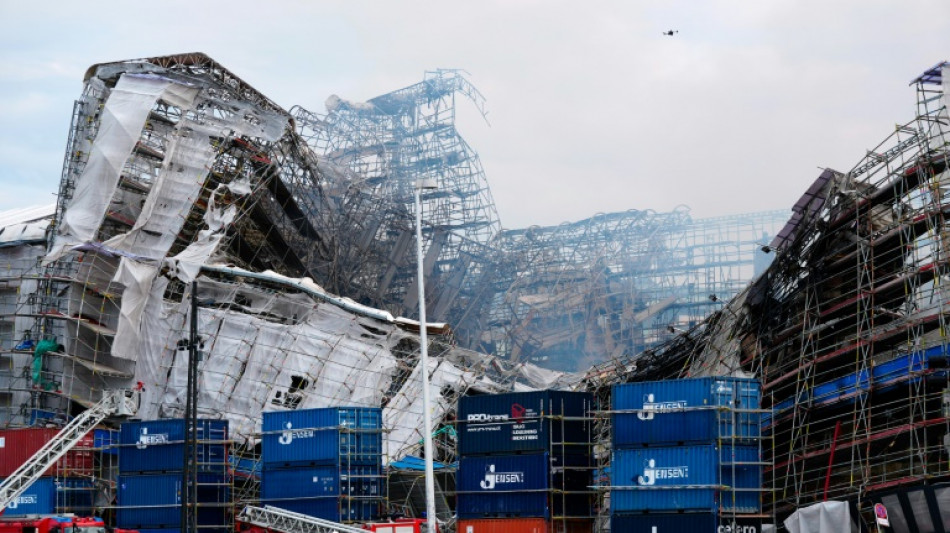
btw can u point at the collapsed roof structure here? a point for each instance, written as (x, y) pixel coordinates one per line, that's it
(297, 228)
(179, 171)
(847, 330)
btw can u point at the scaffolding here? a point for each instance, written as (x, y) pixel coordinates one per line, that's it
(570, 475)
(298, 228)
(601, 287)
(387, 144)
(569, 296)
(846, 329)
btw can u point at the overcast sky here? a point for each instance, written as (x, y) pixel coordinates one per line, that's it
(591, 108)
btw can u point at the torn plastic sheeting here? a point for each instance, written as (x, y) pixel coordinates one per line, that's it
(823, 517)
(173, 192)
(120, 127)
(185, 166)
(309, 288)
(189, 261)
(137, 278)
(251, 364)
(540, 377)
(404, 412)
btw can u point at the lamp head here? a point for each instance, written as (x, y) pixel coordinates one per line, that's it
(425, 184)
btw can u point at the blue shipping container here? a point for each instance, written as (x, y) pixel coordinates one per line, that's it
(685, 411)
(322, 481)
(106, 441)
(521, 422)
(682, 522)
(521, 486)
(686, 478)
(328, 436)
(159, 446)
(75, 495)
(39, 498)
(50, 495)
(154, 501)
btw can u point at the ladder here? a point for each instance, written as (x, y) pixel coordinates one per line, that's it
(114, 403)
(284, 521)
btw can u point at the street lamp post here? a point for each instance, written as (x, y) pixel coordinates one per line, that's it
(420, 185)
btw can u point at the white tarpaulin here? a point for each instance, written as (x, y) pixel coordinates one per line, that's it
(172, 162)
(120, 128)
(824, 517)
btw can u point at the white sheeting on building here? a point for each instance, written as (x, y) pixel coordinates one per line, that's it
(120, 127)
(263, 349)
(824, 517)
(403, 415)
(25, 225)
(263, 358)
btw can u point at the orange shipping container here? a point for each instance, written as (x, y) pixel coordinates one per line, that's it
(523, 525)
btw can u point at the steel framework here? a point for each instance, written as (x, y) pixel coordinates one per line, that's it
(846, 330)
(276, 212)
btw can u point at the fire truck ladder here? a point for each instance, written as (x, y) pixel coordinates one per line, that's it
(284, 521)
(114, 403)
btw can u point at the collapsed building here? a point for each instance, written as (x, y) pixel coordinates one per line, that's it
(562, 296)
(847, 330)
(293, 232)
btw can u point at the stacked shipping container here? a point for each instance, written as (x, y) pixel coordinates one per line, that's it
(67, 486)
(151, 464)
(325, 462)
(686, 455)
(524, 463)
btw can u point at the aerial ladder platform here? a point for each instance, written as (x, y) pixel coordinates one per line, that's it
(114, 403)
(284, 521)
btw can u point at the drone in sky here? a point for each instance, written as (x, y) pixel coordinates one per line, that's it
(671, 32)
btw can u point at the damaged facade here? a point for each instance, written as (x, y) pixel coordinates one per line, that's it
(178, 171)
(847, 331)
(298, 228)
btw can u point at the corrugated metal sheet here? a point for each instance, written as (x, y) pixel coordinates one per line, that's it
(159, 446)
(154, 501)
(682, 411)
(311, 437)
(318, 481)
(685, 478)
(523, 525)
(39, 498)
(18, 445)
(519, 486)
(514, 422)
